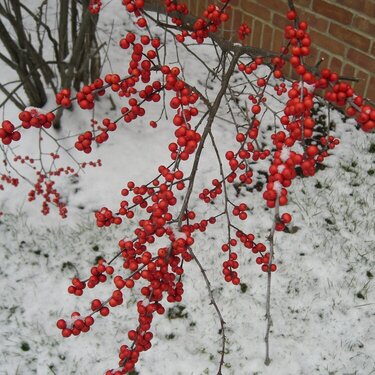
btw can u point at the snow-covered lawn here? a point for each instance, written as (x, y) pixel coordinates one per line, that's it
(323, 295)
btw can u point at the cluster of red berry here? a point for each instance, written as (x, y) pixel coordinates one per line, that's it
(44, 187)
(35, 118)
(134, 6)
(161, 271)
(95, 6)
(86, 96)
(9, 180)
(63, 98)
(243, 31)
(105, 217)
(8, 133)
(213, 17)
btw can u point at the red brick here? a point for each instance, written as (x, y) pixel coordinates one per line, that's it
(278, 40)
(361, 59)
(315, 22)
(360, 86)
(227, 32)
(311, 60)
(371, 89)
(332, 11)
(200, 8)
(373, 49)
(236, 20)
(358, 5)
(249, 20)
(370, 8)
(348, 71)
(279, 21)
(257, 33)
(314, 53)
(302, 3)
(235, 3)
(257, 11)
(320, 40)
(335, 64)
(193, 7)
(275, 5)
(367, 7)
(362, 24)
(350, 37)
(267, 37)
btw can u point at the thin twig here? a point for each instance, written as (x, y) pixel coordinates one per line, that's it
(271, 240)
(213, 302)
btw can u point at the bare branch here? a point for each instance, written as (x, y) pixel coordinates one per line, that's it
(213, 302)
(206, 131)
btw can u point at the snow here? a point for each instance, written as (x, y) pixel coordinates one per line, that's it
(35, 109)
(176, 232)
(323, 296)
(277, 187)
(285, 153)
(280, 168)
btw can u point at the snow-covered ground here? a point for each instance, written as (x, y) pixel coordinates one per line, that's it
(323, 295)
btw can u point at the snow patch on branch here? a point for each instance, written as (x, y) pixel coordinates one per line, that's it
(277, 187)
(280, 168)
(34, 109)
(285, 154)
(177, 233)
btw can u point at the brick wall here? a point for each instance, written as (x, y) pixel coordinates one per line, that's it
(342, 32)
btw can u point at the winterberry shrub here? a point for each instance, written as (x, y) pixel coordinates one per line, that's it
(152, 259)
